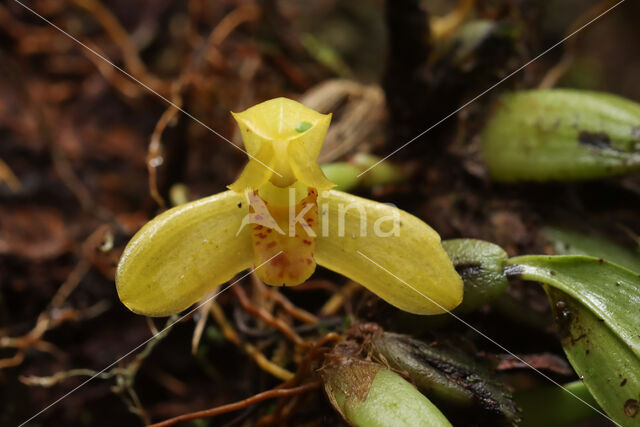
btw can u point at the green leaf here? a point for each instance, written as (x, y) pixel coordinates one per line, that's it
(343, 174)
(606, 289)
(562, 134)
(347, 175)
(607, 365)
(570, 242)
(597, 310)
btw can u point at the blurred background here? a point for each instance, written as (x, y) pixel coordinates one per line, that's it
(88, 155)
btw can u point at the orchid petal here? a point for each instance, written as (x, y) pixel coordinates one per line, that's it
(406, 266)
(180, 255)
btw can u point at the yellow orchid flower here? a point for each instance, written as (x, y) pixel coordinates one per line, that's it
(281, 217)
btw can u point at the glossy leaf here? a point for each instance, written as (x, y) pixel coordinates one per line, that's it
(380, 247)
(562, 134)
(607, 365)
(570, 242)
(179, 256)
(596, 304)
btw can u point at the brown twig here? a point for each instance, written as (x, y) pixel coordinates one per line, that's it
(7, 176)
(266, 395)
(216, 37)
(115, 78)
(553, 76)
(154, 152)
(73, 280)
(33, 339)
(55, 314)
(94, 242)
(203, 312)
(340, 298)
(124, 42)
(444, 26)
(291, 309)
(261, 360)
(267, 317)
(240, 15)
(305, 369)
(124, 375)
(266, 365)
(226, 328)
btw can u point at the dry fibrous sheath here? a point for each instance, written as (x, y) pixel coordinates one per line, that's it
(448, 376)
(562, 135)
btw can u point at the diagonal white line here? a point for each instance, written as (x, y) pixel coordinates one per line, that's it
(186, 113)
(487, 337)
(146, 341)
(492, 87)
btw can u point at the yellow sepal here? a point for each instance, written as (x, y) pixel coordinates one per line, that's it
(280, 123)
(306, 169)
(381, 257)
(257, 172)
(180, 255)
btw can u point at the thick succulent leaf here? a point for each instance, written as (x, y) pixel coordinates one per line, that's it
(180, 255)
(562, 134)
(481, 266)
(597, 311)
(570, 242)
(390, 252)
(368, 395)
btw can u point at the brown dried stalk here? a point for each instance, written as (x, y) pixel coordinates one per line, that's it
(261, 360)
(267, 317)
(208, 413)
